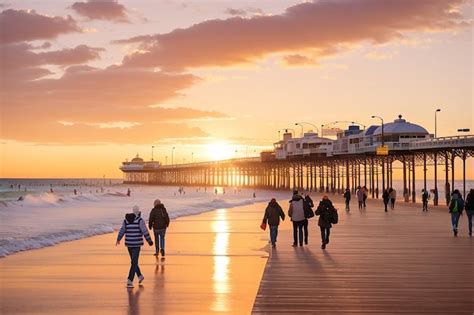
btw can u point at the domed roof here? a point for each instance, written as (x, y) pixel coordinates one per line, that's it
(400, 126)
(137, 159)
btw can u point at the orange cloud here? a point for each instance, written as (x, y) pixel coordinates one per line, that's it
(320, 25)
(22, 25)
(101, 10)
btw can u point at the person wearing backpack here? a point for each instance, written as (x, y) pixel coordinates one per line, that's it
(308, 214)
(470, 209)
(325, 211)
(272, 216)
(297, 215)
(456, 206)
(159, 222)
(347, 198)
(425, 196)
(134, 229)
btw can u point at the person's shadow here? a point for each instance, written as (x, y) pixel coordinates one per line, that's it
(133, 300)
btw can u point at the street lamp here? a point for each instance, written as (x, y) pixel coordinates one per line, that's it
(313, 125)
(152, 147)
(382, 127)
(302, 129)
(172, 152)
(436, 124)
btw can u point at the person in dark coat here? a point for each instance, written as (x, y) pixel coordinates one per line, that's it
(297, 215)
(469, 206)
(272, 216)
(159, 222)
(308, 205)
(324, 211)
(424, 199)
(386, 198)
(456, 206)
(347, 198)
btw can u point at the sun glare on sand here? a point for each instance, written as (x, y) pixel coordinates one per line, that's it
(220, 151)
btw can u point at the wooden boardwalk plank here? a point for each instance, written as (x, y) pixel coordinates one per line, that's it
(403, 261)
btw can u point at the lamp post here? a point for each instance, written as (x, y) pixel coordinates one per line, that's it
(172, 152)
(436, 122)
(313, 125)
(152, 147)
(302, 129)
(381, 119)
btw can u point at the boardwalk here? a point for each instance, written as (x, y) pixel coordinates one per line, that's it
(405, 261)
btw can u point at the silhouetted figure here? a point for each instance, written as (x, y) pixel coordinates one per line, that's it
(470, 209)
(456, 206)
(272, 216)
(75, 191)
(360, 197)
(425, 196)
(326, 213)
(296, 213)
(386, 198)
(128, 192)
(159, 222)
(393, 197)
(347, 199)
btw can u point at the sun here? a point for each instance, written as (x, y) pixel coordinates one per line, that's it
(220, 151)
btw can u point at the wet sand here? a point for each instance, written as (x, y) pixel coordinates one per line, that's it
(214, 263)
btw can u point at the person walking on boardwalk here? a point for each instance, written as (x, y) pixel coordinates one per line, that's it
(393, 197)
(296, 213)
(386, 198)
(325, 212)
(470, 209)
(134, 229)
(364, 189)
(425, 196)
(456, 206)
(272, 216)
(347, 198)
(159, 222)
(360, 197)
(308, 213)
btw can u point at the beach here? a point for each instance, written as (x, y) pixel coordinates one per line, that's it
(214, 263)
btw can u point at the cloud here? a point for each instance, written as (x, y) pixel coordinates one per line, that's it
(375, 55)
(27, 25)
(321, 25)
(244, 12)
(101, 10)
(299, 60)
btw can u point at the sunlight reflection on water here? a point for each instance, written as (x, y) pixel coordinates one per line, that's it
(221, 262)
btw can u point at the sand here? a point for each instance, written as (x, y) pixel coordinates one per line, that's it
(214, 263)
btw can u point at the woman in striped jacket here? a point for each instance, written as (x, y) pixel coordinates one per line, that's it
(134, 229)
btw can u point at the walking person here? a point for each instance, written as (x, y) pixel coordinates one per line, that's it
(308, 213)
(425, 196)
(364, 189)
(360, 197)
(325, 212)
(470, 209)
(134, 229)
(159, 221)
(393, 197)
(347, 199)
(272, 216)
(456, 206)
(296, 213)
(386, 198)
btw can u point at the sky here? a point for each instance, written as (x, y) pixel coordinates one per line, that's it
(85, 85)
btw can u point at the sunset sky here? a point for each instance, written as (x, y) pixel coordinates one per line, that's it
(87, 84)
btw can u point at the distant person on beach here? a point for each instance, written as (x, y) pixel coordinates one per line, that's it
(272, 216)
(134, 229)
(347, 198)
(425, 196)
(254, 195)
(364, 189)
(386, 198)
(296, 213)
(325, 211)
(470, 209)
(159, 222)
(456, 206)
(360, 197)
(75, 191)
(128, 192)
(393, 197)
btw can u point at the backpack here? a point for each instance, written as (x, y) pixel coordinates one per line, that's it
(334, 216)
(308, 212)
(455, 207)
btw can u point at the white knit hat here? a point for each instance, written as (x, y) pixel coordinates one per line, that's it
(136, 209)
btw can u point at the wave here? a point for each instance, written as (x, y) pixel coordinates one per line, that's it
(10, 246)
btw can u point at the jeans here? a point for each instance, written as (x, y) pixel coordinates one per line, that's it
(365, 199)
(361, 204)
(386, 204)
(347, 204)
(469, 219)
(134, 269)
(159, 239)
(273, 233)
(305, 230)
(392, 203)
(325, 234)
(298, 231)
(455, 220)
(425, 205)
